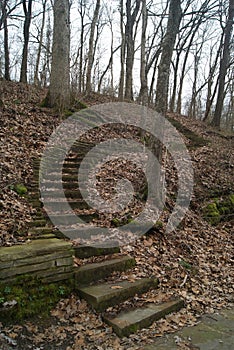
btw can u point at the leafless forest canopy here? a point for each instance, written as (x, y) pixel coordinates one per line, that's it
(174, 55)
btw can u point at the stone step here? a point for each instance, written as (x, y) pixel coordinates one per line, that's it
(73, 234)
(38, 231)
(72, 163)
(52, 185)
(73, 177)
(74, 204)
(85, 251)
(38, 223)
(131, 321)
(44, 236)
(55, 193)
(84, 232)
(68, 220)
(102, 296)
(36, 204)
(96, 271)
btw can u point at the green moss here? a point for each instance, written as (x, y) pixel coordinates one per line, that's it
(211, 214)
(231, 198)
(221, 209)
(67, 113)
(29, 298)
(80, 105)
(158, 225)
(195, 140)
(20, 189)
(185, 264)
(116, 222)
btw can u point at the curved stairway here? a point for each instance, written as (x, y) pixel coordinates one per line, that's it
(89, 278)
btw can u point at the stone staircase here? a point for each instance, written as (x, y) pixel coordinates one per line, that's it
(91, 279)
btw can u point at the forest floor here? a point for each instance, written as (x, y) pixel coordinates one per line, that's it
(195, 261)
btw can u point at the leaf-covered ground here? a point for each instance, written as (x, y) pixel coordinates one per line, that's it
(195, 261)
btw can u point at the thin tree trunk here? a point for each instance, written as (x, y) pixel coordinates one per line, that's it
(59, 92)
(210, 95)
(123, 54)
(131, 18)
(27, 22)
(223, 66)
(81, 72)
(107, 68)
(6, 50)
(173, 24)
(91, 48)
(36, 78)
(143, 95)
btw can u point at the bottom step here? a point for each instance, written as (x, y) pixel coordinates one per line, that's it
(130, 322)
(101, 296)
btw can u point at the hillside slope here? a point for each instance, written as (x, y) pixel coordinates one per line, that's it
(195, 261)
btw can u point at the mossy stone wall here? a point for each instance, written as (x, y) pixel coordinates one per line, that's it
(51, 260)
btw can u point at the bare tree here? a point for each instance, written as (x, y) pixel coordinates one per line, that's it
(129, 38)
(59, 91)
(40, 43)
(123, 53)
(6, 42)
(175, 13)
(27, 7)
(143, 95)
(91, 47)
(224, 65)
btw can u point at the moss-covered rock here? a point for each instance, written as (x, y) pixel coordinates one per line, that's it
(28, 297)
(221, 209)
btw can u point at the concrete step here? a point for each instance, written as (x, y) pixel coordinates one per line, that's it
(102, 296)
(84, 251)
(131, 321)
(96, 271)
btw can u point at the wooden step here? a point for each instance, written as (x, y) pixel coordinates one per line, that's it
(93, 272)
(102, 296)
(85, 251)
(131, 321)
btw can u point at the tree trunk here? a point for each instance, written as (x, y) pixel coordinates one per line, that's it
(91, 48)
(131, 18)
(123, 53)
(173, 24)
(59, 91)
(143, 95)
(27, 22)
(224, 65)
(210, 96)
(36, 78)
(6, 45)
(82, 11)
